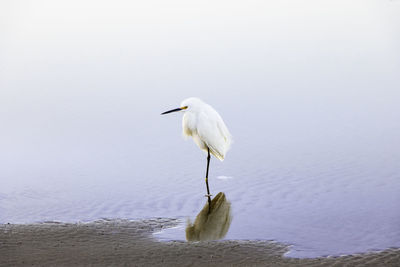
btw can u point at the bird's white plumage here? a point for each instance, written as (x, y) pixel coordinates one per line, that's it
(203, 123)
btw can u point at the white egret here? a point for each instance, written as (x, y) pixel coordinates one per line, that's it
(206, 127)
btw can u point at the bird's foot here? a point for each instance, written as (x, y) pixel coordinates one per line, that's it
(208, 195)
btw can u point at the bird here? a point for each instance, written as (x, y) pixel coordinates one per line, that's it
(207, 128)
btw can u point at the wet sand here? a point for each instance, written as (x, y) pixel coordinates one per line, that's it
(130, 243)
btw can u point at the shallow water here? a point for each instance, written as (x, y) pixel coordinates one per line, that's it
(325, 190)
(315, 159)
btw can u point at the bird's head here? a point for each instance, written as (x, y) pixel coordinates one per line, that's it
(188, 104)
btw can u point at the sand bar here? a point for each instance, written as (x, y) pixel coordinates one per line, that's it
(130, 243)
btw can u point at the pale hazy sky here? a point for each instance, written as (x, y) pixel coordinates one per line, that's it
(80, 77)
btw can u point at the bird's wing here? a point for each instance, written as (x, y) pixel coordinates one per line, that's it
(209, 132)
(224, 133)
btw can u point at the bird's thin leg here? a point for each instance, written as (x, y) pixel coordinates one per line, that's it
(208, 189)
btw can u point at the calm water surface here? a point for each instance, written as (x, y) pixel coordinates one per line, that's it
(323, 179)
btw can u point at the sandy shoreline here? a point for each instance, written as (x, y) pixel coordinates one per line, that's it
(129, 243)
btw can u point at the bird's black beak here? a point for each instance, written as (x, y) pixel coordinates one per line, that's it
(172, 110)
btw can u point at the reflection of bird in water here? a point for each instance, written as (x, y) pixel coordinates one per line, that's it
(206, 127)
(213, 223)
